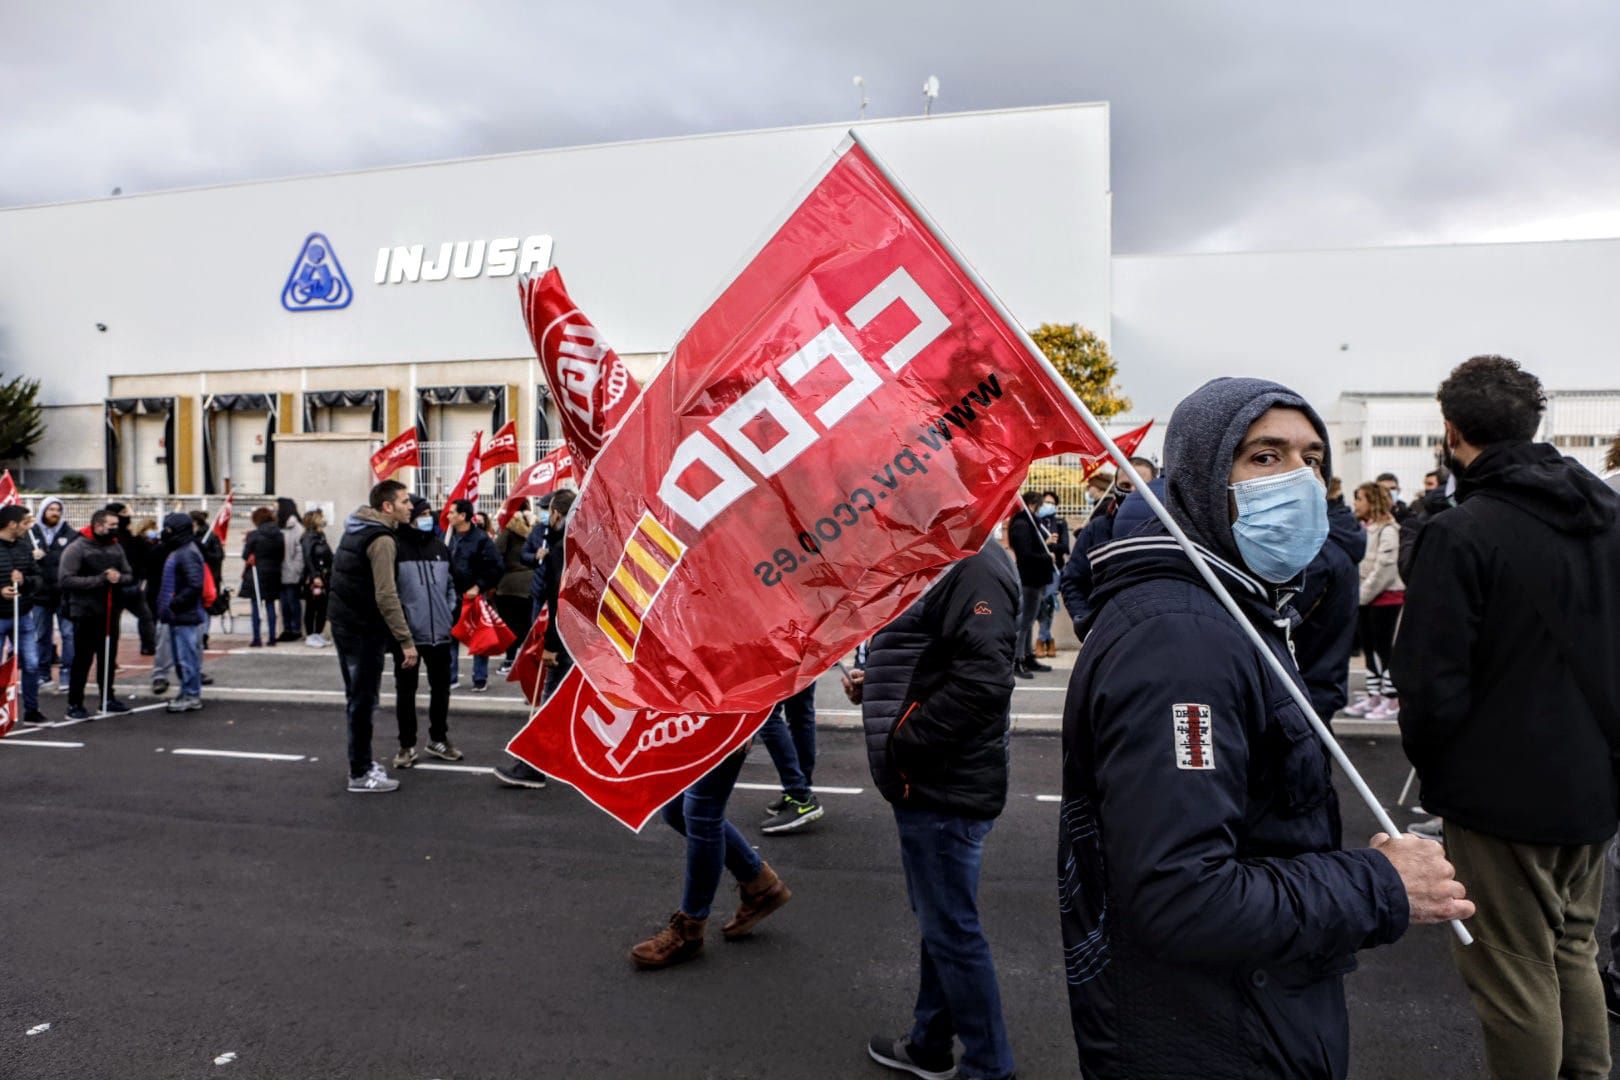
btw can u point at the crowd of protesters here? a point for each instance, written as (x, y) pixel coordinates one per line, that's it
(1209, 909)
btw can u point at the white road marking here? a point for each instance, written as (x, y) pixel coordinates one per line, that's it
(193, 752)
(225, 1058)
(817, 789)
(432, 766)
(44, 743)
(38, 1029)
(1048, 798)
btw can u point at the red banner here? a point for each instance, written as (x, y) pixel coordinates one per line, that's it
(8, 490)
(528, 666)
(221, 527)
(467, 486)
(628, 763)
(1091, 464)
(848, 418)
(396, 455)
(502, 448)
(591, 385)
(10, 702)
(543, 476)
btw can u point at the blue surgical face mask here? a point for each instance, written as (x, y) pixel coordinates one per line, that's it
(1281, 523)
(425, 524)
(1047, 510)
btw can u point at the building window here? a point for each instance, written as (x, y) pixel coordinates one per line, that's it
(1353, 444)
(1410, 440)
(1383, 440)
(1437, 440)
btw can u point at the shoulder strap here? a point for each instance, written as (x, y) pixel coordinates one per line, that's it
(1521, 556)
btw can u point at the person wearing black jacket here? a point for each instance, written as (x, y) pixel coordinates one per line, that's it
(518, 773)
(1429, 505)
(262, 554)
(1327, 605)
(316, 580)
(936, 694)
(1209, 914)
(138, 553)
(475, 567)
(19, 585)
(94, 578)
(1510, 712)
(1035, 572)
(52, 534)
(1055, 533)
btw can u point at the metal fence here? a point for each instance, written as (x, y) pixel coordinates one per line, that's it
(442, 463)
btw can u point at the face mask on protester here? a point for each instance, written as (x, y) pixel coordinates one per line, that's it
(1281, 523)
(425, 524)
(1047, 510)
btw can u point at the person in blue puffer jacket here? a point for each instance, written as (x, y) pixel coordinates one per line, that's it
(1209, 914)
(180, 606)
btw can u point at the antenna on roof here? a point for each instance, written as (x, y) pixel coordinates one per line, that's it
(860, 84)
(930, 92)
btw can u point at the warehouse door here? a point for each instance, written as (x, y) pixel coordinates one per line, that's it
(241, 443)
(145, 468)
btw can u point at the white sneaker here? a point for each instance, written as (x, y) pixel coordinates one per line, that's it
(374, 781)
(1364, 704)
(315, 641)
(1388, 709)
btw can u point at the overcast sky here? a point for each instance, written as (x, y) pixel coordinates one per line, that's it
(1236, 125)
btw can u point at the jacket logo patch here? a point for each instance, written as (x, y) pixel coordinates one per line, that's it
(1195, 736)
(981, 608)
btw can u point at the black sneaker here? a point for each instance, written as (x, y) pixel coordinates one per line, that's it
(776, 805)
(160, 687)
(78, 712)
(796, 814)
(206, 679)
(115, 706)
(480, 687)
(1022, 672)
(520, 774)
(900, 1054)
(34, 716)
(1032, 664)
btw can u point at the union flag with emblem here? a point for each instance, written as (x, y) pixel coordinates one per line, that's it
(591, 385)
(848, 418)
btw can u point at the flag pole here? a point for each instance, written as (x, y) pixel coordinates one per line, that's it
(106, 652)
(1193, 554)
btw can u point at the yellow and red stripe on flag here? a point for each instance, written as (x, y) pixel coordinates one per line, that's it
(649, 558)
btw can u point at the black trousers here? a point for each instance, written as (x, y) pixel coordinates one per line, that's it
(315, 614)
(436, 658)
(89, 647)
(360, 659)
(514, 612)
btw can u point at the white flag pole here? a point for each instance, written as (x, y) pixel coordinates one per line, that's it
(106, 653)
(1123, 461)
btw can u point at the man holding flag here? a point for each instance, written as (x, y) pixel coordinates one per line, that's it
(19, 586)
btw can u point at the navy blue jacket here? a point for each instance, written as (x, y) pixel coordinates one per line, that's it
(180, 591)
(474, 561)
(1327, 604)
(1122, 520)
(1208, 913)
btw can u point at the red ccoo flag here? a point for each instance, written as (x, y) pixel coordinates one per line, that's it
(467, 486)
(850, 416)
(591, 385)
(10, 704)
(502, 448)
(8, 490)
(528, 667)
(402, 451)
(543, 477)
(222, 520)
(1127, 443)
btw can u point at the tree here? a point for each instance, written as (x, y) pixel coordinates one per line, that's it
(22, 421)
(1082, 358)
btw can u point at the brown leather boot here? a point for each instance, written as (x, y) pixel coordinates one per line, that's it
(760, 897)
(676, 943)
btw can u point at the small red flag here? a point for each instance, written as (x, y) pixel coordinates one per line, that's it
(502, 448)
(8, 490)
(591, 385)
(1091, 463)
(222, 520)
(467, 486)
(402, 451)
(10, 703)
(529, 666)
(543, 476)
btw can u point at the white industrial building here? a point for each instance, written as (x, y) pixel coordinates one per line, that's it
(179, 335)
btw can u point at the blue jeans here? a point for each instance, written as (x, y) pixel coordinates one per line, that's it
(269, 614)
(22, 639)
(186, 642)
(1047, 608)
(360, 658)
(480, 665)
(790, 738)
(44, 648)
(712, 842)
(957, 994)
(292, 612)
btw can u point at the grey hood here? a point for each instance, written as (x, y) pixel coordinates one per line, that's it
(48, 532)
(1199, 445)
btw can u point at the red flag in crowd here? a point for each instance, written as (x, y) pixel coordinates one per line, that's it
(222, 520)
(627, 762)
(543, 476)
(8, 490)
(502, 448)
(591, 385)
(848, 418)
(528, 667)
(1090, 464)
(402, 451)
(10, 703)
(467, 486)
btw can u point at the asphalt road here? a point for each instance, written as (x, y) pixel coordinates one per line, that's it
(164, 909)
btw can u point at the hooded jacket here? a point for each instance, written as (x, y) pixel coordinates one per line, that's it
(168, 541)
(292, 536)
(18, 555)
(938, 691)
(81, 577)
(1432, 504)
(1326, 607)
(179, 600)
(1208, 913)
(1505, 725)
(53, 541)
(425, 590)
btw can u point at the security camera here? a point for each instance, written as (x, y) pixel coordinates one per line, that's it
(102, 327)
